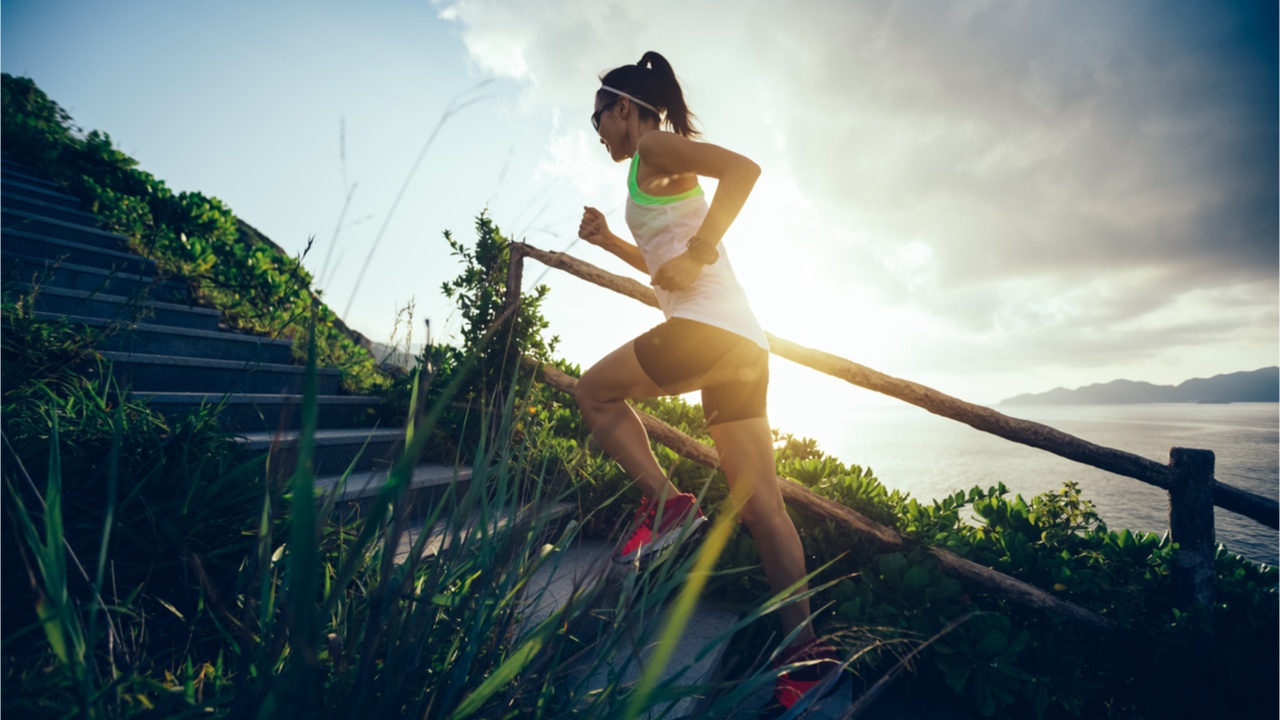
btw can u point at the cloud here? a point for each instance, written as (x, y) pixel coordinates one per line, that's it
(1045, 179)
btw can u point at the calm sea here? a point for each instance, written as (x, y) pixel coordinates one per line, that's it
(929, 457)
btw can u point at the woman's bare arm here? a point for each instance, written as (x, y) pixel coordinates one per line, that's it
(674, 154)
(737, 175)
(595, 230)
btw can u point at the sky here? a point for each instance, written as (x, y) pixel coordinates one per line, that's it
(990, 197)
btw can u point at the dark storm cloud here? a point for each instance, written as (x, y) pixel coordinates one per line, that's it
(1060, 141)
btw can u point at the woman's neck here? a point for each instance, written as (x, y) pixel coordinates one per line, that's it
(637, 130)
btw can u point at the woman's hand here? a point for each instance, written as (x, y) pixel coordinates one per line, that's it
(594, 229)
(678, 273)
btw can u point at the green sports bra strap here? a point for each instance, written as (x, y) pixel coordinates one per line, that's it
(644, 198)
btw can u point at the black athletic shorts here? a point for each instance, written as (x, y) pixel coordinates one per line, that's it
(684, 355)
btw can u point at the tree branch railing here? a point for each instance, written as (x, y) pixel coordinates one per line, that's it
(973, 575)
(1188, 477)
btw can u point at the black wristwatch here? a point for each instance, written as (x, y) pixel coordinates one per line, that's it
(704, 251)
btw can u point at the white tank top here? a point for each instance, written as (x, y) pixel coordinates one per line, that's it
(661, 226)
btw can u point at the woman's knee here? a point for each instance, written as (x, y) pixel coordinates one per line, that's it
(593, 392)
(585, 392)
(762, 507)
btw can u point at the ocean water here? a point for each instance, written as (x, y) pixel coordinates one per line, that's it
(930, 457)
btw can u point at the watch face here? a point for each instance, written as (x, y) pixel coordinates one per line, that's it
(703, 251)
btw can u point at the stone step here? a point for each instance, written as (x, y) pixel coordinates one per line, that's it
(44, 226)
(71, 276)
(583, 566)
(334, 450)
(259, 412)
(43, 192)
(35, 245)
(585, 569)
(10, 201)
(21, 173)
(117, 307)
(150, 339)
(440, 535)
(426, 487)
(169, 373)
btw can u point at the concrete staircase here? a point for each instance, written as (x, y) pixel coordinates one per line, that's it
(179, 356)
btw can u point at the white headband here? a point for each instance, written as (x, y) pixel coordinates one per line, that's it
(637, 101)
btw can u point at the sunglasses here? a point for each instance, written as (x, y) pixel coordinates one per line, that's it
(595, 116)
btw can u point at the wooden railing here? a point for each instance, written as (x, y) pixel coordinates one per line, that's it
(1188, 478)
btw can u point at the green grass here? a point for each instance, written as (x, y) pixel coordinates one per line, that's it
(307, 610)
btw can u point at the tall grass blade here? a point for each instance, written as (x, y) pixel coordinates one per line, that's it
(113, 474)
(682, 610)
(62, 626)
(510, 668)
(303, 580)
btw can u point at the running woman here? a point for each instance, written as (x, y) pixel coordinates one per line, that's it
(710, 340)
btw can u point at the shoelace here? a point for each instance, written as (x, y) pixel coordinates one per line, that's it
(646, 510)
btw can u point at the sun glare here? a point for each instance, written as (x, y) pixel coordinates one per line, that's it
(804, 287)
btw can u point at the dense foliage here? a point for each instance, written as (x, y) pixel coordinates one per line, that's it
(156, 513)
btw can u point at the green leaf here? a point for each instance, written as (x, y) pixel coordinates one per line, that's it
(916, 580)
(52, 623)
(993, 645)
(505, 673)
(1040, 702)
(893, 565)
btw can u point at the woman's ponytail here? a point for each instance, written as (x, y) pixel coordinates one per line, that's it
(653, 81)
(671, 98)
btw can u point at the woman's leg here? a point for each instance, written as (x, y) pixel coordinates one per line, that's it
(602, 393)
(746, 456)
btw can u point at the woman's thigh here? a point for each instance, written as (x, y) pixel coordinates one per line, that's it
(683, 355)
(677, 357)
(618, 376)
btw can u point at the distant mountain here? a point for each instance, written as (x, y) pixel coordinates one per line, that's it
(1258, 386)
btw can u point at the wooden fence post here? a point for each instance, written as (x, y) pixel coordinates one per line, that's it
(515, 276)
(1191, 526)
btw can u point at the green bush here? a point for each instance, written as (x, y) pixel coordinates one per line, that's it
(1011, 663)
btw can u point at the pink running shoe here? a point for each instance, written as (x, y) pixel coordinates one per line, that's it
(655, 533)
(809, 683)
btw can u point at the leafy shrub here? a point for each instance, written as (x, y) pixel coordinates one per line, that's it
(1010, 663)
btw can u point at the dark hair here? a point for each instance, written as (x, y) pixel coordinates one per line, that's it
(653, 81)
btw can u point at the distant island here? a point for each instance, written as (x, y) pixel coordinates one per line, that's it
(1261, 385)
